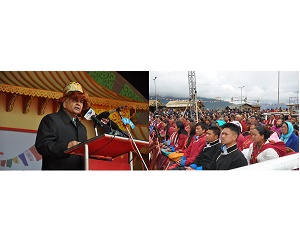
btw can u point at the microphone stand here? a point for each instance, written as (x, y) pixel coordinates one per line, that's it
(139, 153)
(96, 122)
(96, 131)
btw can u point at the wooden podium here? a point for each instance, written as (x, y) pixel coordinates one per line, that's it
(99, 152)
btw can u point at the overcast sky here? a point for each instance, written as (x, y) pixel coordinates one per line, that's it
(259, 85)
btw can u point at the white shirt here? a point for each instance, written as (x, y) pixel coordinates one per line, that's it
(267, 154)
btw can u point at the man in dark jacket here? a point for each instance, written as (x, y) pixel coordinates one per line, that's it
(212, 147)
(62, 130)
(229, 156)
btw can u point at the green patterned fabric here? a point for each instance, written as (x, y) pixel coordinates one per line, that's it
(129, 93)
(105, 79)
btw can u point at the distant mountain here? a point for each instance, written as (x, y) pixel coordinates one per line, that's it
(212, 103)
(209, 103)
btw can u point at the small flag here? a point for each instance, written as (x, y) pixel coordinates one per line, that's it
(3, 162)
(35, 153)
(22, 157)
(29, 156)
(9, 163)
(16, 160)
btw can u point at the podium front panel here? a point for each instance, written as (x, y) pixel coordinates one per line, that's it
(108, 145)
(107, 165)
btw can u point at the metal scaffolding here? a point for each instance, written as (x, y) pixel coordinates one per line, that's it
(193, 95)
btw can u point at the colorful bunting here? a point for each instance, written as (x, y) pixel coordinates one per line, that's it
(30, 154)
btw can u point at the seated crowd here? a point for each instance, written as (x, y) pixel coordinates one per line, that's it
(219, 140)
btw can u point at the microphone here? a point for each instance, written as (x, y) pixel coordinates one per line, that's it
(103, 120)
(88, 115)
(110, 126)
(91, 115)
(128, 121)
(97, 121)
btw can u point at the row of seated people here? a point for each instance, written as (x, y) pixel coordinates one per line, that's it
(208, 150)
(286, 134)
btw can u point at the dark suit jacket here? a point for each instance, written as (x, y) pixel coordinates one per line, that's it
(55, 132)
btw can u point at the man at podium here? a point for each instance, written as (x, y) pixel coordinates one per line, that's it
(62, 130)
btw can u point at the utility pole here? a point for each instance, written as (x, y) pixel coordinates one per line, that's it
(155, 95)
(278, 90)
(241, 95)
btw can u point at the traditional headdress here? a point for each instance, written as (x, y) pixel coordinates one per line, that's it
(72, 87)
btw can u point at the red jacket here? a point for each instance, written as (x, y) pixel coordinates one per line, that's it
(178, 143)
(158, 125)
(271, 122)
(194, 150)
(240, 141)
(170, 131)
(164, 133)
(191, 142)
(181, 142)
(247, 141)
(244, 126)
